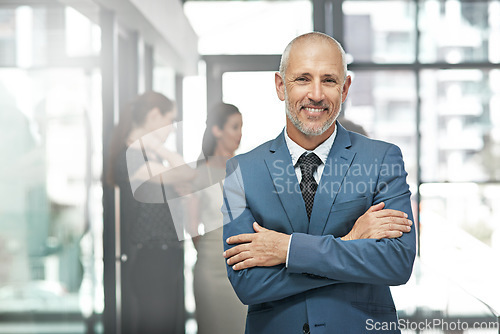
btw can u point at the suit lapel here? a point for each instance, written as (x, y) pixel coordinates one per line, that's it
(338, 163)
(286, 185)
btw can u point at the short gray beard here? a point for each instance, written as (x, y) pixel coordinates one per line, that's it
(302, 128)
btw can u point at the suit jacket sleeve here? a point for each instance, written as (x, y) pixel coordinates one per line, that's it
(370, 261)
(258, 284)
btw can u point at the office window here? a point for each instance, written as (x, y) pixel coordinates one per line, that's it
(380, 31)
(460, 125)
(459, 31)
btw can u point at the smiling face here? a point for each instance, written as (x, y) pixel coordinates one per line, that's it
(313, 89)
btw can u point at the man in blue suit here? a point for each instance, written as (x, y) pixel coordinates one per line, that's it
(317, 222)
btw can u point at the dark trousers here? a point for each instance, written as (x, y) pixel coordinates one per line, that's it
(153, 292)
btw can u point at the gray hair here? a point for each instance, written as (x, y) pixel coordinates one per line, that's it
(312, 35)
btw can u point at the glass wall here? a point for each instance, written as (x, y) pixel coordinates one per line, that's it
(459, 31)
(50, 203)
(459, 130)
(425, 76)
(380, 31)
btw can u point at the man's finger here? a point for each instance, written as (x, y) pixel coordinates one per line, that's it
(396, 221)
(258, 228)
(376, 207)
(240, 238)
(397, 227)
(235, 250)
(248, 263)
(238, 258)
(390, 213)
(388, 235)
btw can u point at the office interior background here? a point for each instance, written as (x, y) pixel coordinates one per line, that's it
(426, 76)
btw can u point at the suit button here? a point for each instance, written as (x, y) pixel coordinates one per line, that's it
(305, 328)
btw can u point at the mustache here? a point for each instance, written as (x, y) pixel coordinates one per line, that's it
(314, 104)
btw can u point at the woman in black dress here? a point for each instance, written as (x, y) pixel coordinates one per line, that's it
(147, 174)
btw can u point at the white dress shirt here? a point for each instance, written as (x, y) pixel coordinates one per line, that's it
(322, 151)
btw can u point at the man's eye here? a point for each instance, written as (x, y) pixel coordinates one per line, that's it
(330, 80)
(301, 79)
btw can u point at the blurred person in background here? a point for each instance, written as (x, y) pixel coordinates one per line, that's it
(142, 167)
(218, 309)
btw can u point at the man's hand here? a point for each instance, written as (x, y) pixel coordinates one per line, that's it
(265, 248)
(377, 224)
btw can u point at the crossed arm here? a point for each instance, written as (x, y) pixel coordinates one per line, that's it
(266, 248)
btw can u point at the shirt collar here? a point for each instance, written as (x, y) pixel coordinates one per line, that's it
(321, 151)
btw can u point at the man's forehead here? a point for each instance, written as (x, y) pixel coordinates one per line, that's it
(313, 42)
(313, 53)
(308, 48)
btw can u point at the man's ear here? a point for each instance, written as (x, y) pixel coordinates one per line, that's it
(345, 89)
(280, 86)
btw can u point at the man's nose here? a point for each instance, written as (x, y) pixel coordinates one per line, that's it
(316, 92)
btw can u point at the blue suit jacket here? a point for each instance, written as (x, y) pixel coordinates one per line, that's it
(332, 285)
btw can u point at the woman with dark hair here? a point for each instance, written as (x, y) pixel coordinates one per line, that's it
(152, 283)
(218, 309)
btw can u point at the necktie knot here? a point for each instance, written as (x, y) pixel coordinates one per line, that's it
(308, 163)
